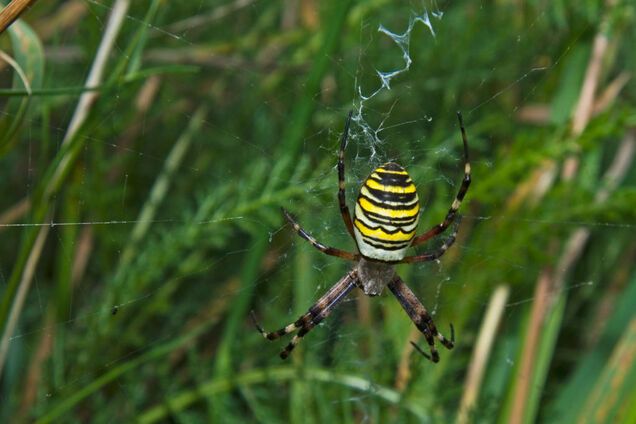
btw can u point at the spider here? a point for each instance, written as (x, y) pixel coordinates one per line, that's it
(383, 227)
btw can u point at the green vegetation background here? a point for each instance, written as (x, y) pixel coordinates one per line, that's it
(161, 227)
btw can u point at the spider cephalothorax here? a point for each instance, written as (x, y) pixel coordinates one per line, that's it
(385, 220)
(373, 276)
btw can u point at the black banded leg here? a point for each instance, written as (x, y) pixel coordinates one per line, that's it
(452, 212)
(319, 311)
(344, 209)
(433, 256)
(306, 328)
(278, 333)
(421, 318)
(324, 249)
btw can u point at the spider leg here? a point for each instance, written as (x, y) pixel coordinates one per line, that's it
(452, 212)
(421, 318)
(344, 209)
(432, 256)
(324, 249)
(319, 311)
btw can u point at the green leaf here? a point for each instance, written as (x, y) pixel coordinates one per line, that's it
(613, 397)
(28, 70)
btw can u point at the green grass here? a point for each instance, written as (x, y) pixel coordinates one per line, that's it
(141, 221)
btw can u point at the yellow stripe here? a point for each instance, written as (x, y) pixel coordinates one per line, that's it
(388, 171)
(378, 177)
(364, 191)
(379, 234)
(390, 188)
(388, 213)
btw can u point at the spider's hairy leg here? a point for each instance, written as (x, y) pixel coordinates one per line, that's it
(432, 256)
(332, 251)
(452, 212)
(274, 334)
(421, 318)
(319, 311)
(344, 209)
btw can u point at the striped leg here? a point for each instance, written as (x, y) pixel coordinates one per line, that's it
(452, 212)
(421, 318)
(344, 209)
(432, 256)
(319, 311)
(324, 249)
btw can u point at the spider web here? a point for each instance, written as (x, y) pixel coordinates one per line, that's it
(382, 114)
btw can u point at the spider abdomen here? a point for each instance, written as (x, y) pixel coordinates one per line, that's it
(386, 214)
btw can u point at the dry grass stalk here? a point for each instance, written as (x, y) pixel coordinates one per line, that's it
(14, 213)
(12, 11)
(481, 353)
(20, 297)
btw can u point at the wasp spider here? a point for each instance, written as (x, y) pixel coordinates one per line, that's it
(383, 227)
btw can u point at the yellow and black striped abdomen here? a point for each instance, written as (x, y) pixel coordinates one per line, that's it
(386, 214)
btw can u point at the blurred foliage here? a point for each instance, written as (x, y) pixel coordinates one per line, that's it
(162, 229)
